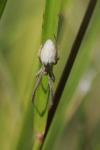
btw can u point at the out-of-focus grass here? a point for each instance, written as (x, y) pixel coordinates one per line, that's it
(70, 28)
(20, 30)
(83, 130)
(66, 106)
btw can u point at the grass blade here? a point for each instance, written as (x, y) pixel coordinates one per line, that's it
(2, 6)
(49, 31)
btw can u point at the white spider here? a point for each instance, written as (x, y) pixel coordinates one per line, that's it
(48, 56)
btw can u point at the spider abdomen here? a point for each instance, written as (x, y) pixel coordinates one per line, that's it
(48, 53)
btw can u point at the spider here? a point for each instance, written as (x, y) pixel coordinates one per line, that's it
(48, 57)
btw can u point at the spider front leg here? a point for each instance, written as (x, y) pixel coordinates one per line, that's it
(39, 72)
(50, 82)
(39, 76)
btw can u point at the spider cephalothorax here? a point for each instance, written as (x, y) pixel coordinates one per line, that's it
(48, 57)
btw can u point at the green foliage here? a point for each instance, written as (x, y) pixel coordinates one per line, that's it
(67, 105)
(23, 24)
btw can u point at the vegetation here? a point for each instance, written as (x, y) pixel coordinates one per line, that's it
(73, 121)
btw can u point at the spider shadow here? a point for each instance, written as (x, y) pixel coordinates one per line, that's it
(41, 113)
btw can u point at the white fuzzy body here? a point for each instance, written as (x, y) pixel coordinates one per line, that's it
(48, 53)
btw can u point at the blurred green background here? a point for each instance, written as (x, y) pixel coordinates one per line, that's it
(20, 36)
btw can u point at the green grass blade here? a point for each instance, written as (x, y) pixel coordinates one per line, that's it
(25, 141)
(51, 16)
(49, 30)
(2, 6)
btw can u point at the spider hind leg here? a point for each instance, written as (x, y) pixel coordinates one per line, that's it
(50, 83)
(52, 76)
(39, 76)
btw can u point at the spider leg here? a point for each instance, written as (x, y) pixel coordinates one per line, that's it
(40, 71)
(52, 76)
(39, 75)
(51, 91)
